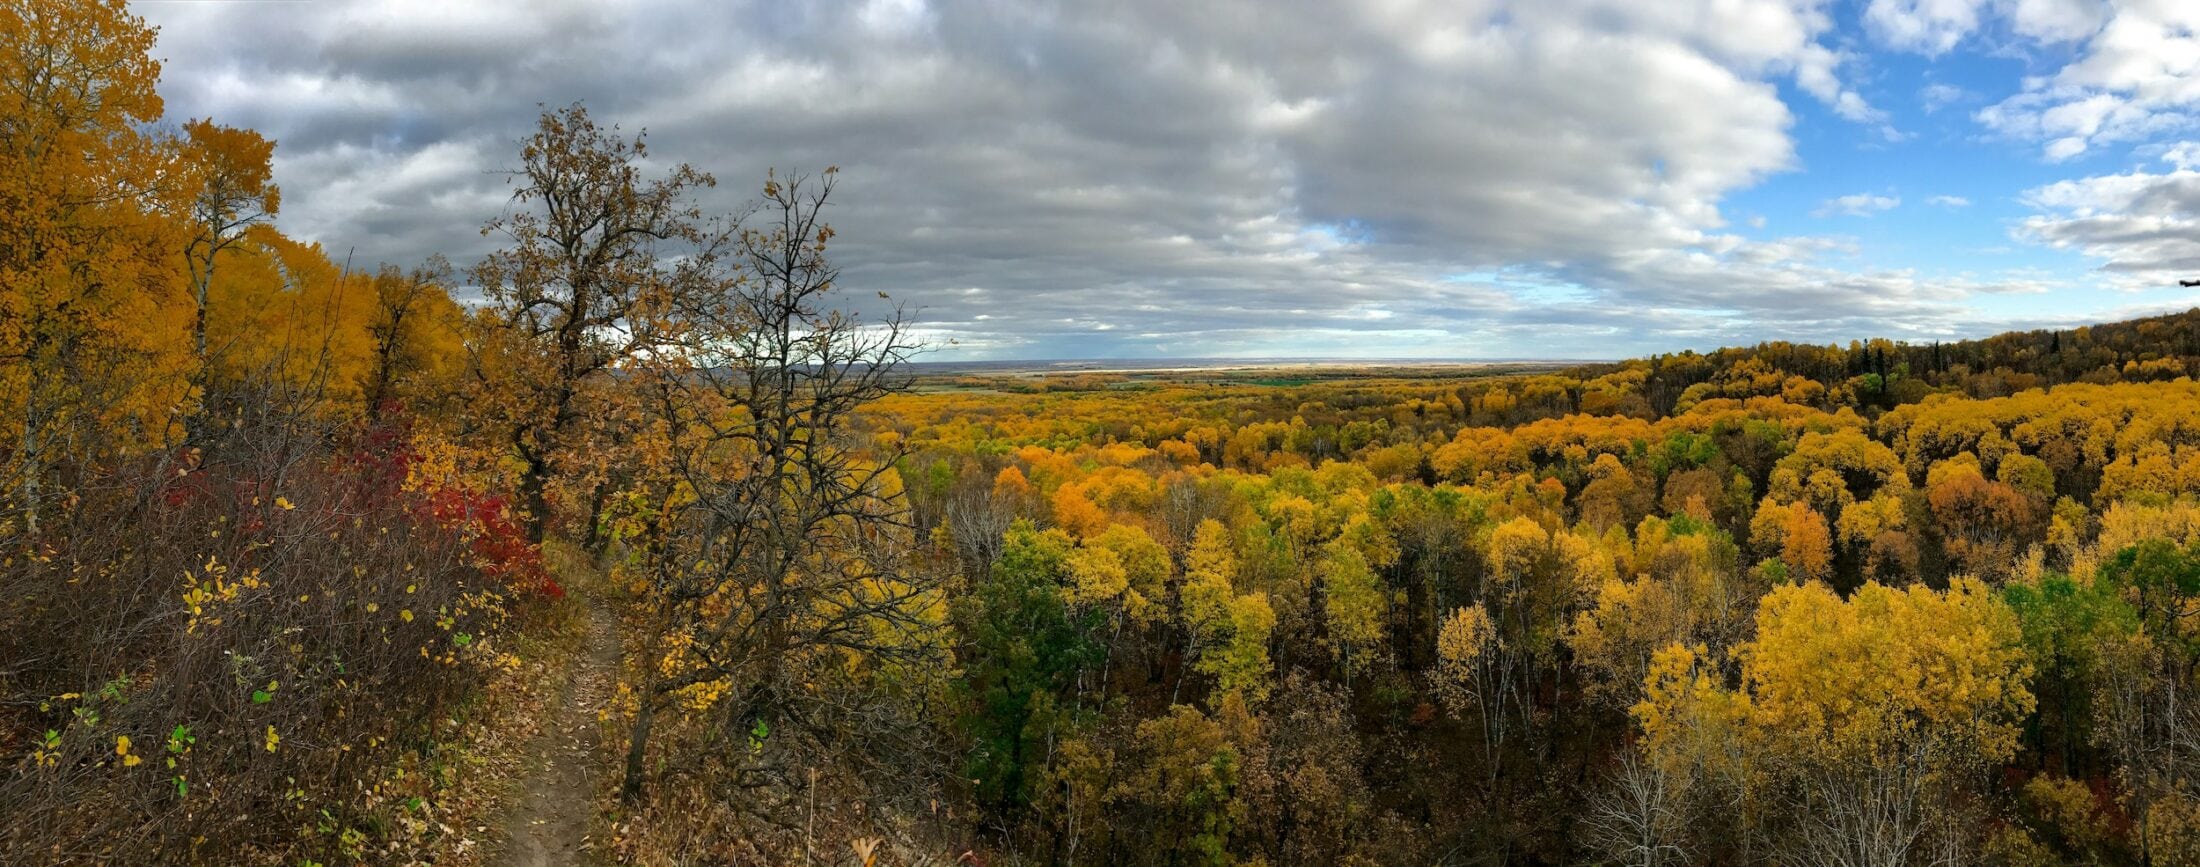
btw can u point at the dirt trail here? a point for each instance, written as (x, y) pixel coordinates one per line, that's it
(548, 823)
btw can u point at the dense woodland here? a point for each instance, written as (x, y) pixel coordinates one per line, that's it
(273, 525)
(1799, 615)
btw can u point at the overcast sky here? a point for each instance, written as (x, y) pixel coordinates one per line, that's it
(1177, 178)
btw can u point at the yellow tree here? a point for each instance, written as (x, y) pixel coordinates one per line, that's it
(1209, 570)
(230, 180)
(289, 339)
(1985, 525)
(1683, 585)
(85, 261)
(1806, 544)
(1536, 580)
(1469, 675)
(1863, 712)
(1240, 663)
(1145, 569)
(1227, 632)
(1355, 605)
(417, 333)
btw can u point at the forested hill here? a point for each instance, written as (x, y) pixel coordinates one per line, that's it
(1880, 374)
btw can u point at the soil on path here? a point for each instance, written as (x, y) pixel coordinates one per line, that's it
(554, 805)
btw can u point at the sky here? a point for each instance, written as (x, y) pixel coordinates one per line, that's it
(1278, 178)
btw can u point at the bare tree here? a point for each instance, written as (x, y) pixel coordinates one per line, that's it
(1637, 819)
(1869, 811)
(597, 262)
(772, 540)
(977, 518)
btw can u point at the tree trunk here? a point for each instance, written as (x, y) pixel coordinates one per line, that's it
(637, 745)
(534, 495)
(33, 453)
(594, 540)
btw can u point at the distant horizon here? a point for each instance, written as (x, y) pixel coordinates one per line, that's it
(1221, 360)
(1146, 362)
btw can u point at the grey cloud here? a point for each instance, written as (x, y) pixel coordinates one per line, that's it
(1145, 178)
(2143, 228)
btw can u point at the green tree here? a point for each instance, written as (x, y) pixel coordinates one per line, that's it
(1026, 651)
(2066, 624)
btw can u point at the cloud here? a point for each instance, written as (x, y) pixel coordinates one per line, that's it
(1857, 205)
(1154, 177)
(1934, 27)
(1934, 97)
(1816, 72)
(2134, 77)
(2143, 228)
(2129, 74)
(1949, 201)
(1930, 27)
(2054, 21)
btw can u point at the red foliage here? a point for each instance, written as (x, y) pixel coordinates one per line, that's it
(497, 540)
(381, 463)
(372, 475)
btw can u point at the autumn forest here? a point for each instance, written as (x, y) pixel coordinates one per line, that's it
(637, 541)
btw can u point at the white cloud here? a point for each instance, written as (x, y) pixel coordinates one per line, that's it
(1816, 72)
(2133, 71)
(1930, 27)
(1950, 201)
(1857, 205)
(1934, 27)
(2056, 20)
(2137, 75)
(1934, 97)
